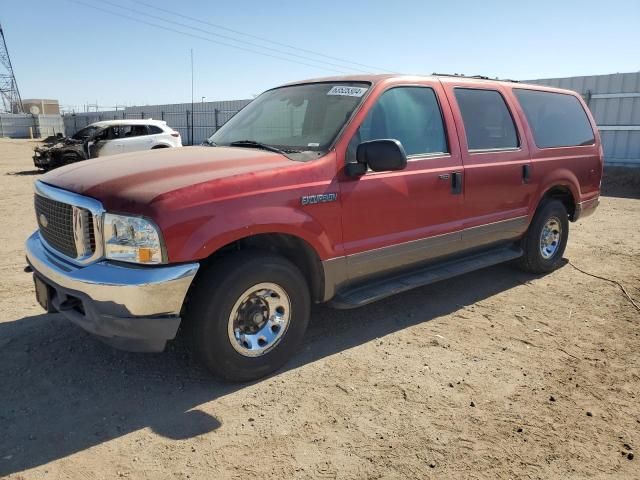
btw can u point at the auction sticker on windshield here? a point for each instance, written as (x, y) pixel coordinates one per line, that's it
(348, 91)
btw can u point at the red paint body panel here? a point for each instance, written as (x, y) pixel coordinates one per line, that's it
(386, 208)
(204, 198)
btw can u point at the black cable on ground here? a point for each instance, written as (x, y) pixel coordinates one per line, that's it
(611, 281)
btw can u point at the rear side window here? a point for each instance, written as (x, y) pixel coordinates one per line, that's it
(556, 119)
(153, 130)
(408, 114)
(487, 120)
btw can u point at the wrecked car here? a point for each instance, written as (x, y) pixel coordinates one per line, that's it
(105, 138)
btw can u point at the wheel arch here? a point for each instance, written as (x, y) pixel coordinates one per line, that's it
(564, 194)
(294, 248)
(561, 184)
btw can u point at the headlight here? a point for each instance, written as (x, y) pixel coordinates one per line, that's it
(132, 239)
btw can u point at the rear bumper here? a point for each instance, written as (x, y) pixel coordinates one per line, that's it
(134, 308)
(586, 208)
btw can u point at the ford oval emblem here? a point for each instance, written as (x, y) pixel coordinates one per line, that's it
(43, 220)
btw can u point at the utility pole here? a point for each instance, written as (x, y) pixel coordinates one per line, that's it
(8, 86)
(192, 140)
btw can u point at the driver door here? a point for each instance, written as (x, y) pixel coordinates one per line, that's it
(394, 219)
(103, 143)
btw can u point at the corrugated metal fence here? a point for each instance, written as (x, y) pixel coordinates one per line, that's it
(614, 101)
(206, 118)
(30, 126)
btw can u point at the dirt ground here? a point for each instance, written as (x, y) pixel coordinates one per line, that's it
(496, 374)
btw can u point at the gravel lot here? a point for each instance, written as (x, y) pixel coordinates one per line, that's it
(497, 374)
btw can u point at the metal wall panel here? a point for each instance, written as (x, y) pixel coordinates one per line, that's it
(614, 101)
(206, 117)
(17, 125)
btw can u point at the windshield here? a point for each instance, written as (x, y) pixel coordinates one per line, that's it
(85, 133)
(295, 119)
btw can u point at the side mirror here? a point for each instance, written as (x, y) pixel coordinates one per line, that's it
(380, 155)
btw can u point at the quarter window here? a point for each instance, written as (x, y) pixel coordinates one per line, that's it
(408, 114)
(487, 121)
(556, 119)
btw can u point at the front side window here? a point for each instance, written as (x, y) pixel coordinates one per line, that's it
(408, 114)
(556, 119)
(86, 132)
(487, 121)
(295, 119)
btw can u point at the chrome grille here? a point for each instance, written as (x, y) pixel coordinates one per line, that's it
(56, 225)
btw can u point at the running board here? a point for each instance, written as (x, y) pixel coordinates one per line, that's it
(379, 289)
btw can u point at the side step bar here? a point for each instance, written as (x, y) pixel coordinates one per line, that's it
(379, 289)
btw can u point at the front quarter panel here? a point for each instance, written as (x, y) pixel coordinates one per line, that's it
(199, 220)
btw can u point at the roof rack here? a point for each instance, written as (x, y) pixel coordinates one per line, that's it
(477, 77)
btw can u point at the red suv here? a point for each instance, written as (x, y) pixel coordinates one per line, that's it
(343, 190)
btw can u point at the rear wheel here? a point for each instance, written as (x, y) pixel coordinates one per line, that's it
(248, 314)
(546, 239)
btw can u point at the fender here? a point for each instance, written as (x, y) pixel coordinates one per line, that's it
(218, 231)
(558, 177)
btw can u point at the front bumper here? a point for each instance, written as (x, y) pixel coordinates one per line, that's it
(135, 308)
(42, 160)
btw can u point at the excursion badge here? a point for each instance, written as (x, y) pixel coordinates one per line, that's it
(319, 198)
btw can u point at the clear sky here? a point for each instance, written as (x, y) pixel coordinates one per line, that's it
(77, 54)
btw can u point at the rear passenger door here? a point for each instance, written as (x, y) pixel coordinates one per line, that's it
(498, 172)
(134, 138)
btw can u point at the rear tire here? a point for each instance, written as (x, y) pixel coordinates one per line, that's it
(247, 315)
(546, 239)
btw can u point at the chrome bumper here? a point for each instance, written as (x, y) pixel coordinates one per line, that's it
(135, 308)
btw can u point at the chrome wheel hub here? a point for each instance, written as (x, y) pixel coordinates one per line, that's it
(259, 319)
(550, 238)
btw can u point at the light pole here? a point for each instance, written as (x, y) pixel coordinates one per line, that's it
(192, 142)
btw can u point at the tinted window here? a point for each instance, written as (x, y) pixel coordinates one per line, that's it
(556, 119)
(155, 130)
(487, 121)
(408, 114)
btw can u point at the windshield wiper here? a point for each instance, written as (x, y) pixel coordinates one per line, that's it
(209, 143)
(264, 146)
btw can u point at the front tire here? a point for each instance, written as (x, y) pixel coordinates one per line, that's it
(546, 239)
(248, 314)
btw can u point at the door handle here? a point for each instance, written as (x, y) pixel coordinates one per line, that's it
(526, 173)
(444, 176)
(456, 183)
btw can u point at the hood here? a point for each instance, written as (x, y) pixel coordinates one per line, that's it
(140, 177)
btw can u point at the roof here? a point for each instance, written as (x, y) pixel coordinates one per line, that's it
(130, 121)
(445, 78)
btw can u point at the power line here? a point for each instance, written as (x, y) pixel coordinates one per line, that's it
(204, 38)
(227, 37)
(263, 39)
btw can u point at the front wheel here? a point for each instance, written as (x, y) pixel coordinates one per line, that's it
(248, 314)
(546, 239)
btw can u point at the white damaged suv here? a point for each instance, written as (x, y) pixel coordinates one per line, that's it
(106, 138)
